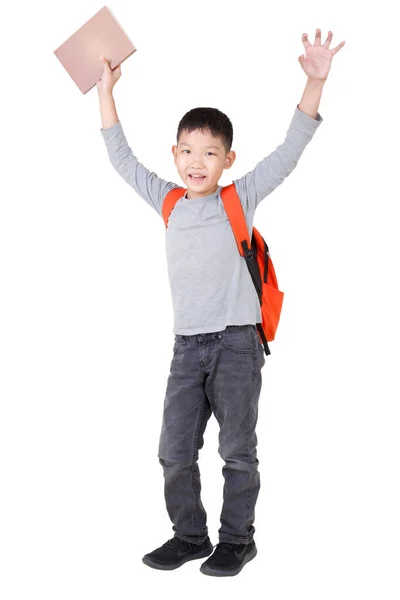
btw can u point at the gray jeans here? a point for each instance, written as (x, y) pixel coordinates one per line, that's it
(217, 373)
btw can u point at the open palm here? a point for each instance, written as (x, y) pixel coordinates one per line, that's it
(318, 58)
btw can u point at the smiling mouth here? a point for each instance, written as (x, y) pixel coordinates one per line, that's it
(197, 179)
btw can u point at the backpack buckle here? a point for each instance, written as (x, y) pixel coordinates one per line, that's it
(248, 253)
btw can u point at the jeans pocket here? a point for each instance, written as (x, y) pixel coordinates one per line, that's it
(260, 347)
(179, 343)
(258, 340)
(239, 341)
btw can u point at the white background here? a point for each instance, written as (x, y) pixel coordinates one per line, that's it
(86, 316)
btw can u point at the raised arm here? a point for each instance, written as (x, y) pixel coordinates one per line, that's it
(272, 170)
(105, 89)
(146, 184)
(108, 111)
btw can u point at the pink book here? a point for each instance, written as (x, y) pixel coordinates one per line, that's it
(80, 54)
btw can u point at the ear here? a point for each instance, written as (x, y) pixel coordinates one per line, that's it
(174, 149)
(229, 159)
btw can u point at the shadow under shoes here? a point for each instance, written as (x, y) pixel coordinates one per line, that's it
(228, 559)
(175, 552)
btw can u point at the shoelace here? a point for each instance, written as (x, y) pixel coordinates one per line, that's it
(225, 547)
(175, 543)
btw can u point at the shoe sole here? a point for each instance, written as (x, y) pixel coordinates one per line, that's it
(206, 570)
(203, 554)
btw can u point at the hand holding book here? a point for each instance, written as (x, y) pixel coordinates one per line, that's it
(109, 77)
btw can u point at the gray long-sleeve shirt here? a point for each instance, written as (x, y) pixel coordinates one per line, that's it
(210, 283)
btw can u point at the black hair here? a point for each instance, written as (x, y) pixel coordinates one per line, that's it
(211, 119)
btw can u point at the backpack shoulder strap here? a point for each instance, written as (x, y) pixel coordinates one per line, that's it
(234, 210)
(170, 200)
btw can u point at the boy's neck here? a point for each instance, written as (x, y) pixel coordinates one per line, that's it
(198, 195)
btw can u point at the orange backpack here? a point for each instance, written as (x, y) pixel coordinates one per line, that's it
(257, 258)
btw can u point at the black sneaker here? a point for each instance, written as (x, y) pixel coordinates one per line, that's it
(175, 553)
(228, 559)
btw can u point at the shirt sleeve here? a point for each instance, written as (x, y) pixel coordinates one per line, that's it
(272, 170)
(146, 183)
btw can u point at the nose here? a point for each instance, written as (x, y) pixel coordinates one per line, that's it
(196, 161)
(197, 164)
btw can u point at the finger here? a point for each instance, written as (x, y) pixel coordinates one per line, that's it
(105, 63)
(328, 39)
(334, 50)
(305, 41)
(317, 38)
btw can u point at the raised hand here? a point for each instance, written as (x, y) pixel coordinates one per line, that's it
(109, 76)
(317, 60)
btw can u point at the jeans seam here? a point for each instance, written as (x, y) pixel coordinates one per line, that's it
(235, 350)
(242, 540)
(249, 459)
(254, 377)
(196, 436)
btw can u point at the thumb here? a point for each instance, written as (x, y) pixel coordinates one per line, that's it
(105, 62)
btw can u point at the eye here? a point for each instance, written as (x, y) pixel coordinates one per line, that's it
(185, 150)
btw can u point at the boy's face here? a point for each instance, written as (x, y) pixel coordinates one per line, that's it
(200, 153)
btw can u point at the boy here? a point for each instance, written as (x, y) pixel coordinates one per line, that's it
(217, 355)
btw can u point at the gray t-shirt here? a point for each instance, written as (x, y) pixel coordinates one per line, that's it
(210, 283)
